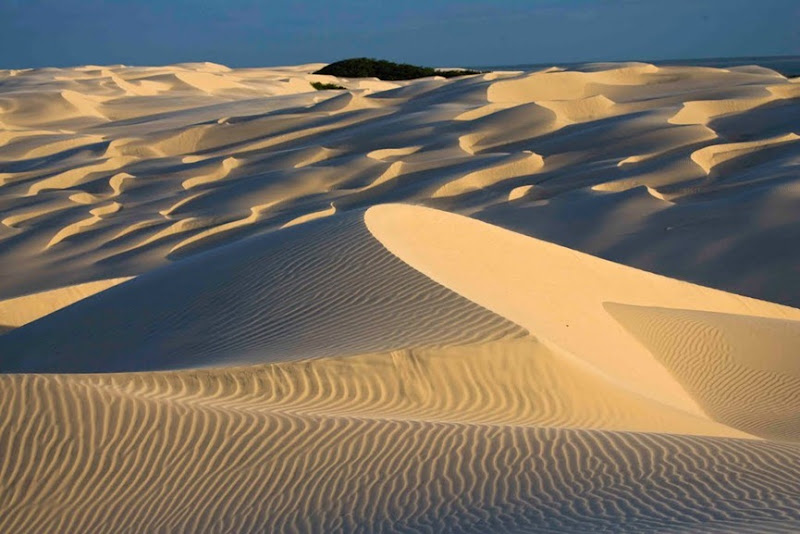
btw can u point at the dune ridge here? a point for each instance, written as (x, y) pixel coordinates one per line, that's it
(559, 294)
(517, 419)
(324, 289)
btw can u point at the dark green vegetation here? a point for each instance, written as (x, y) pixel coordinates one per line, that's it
(363, 67)
(319, 86)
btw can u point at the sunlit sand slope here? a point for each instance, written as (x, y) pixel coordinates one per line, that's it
(22, 310)
(582, 304)
(743, 370)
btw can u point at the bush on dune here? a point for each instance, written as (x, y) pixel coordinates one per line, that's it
(319, 86)
(386, 70)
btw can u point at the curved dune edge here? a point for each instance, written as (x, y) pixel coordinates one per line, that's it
(554, 292)
(711, 156)
(22, 310)
(328, 290)
(319, 289)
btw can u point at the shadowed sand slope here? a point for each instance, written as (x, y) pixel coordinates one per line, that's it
(326, 288)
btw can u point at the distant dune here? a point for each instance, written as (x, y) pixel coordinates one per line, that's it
(508, 302)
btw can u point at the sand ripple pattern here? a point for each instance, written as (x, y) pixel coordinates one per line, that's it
(89, 454)
(743, 370)
(322, 289)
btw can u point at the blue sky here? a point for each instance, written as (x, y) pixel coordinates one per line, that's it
(35, 33)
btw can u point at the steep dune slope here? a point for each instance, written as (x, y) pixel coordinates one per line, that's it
(325, 288)
(560, 295)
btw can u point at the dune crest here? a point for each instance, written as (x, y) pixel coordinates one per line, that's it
(507, 412)
(558, 294)
(22, 310)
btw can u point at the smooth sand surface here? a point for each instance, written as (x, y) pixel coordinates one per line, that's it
(232, 303)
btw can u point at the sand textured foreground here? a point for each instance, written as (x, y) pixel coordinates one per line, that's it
(230, 303)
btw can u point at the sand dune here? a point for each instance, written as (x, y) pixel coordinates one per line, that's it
(321, 289)
(711, 156)
(508, 302)
(753, 357)
(571, 300)
(300, 151)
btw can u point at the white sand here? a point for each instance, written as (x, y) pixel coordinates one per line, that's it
(226, 311)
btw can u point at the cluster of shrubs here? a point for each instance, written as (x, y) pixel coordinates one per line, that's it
(363, 67)
(319, 86)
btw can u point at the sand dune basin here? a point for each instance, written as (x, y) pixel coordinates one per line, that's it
(556, 301)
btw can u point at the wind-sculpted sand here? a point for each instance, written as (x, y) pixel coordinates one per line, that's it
(231, 303)
(215, 453)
